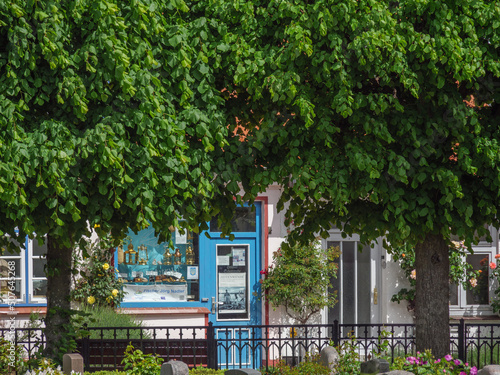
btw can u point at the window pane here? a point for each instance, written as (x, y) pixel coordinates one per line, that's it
(453, 294)
(348, 280)
(479, 294)
(38, 267)
(6, 270)
(334, 312)
(232, 282)
(156, 273)
(244, 221)
(364, 285)
(39, 288)
(39, 250)
(5, 252)
(6, 289)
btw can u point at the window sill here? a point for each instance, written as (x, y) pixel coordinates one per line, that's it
(474, 318)
(23, 310)
(164, 310)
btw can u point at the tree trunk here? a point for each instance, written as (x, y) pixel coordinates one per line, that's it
(57, 321)
(432, 265)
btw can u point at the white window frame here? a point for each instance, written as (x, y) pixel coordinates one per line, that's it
(30, 257)
(463, 309)
(4, 278)
(25, 275)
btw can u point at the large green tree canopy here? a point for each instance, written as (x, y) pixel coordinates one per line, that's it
(358, 108)
(109, 118)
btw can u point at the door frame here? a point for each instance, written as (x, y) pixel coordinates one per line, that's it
(255, 259)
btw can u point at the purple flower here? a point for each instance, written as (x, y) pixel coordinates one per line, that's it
(437, 361)
(457, 362)
(448, 357)
(473, 370)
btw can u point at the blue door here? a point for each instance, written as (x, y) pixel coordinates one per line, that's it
(231, 283)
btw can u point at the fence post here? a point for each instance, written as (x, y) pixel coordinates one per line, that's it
(335, 333)
(461, 340)
(86, 349)
(211, 347)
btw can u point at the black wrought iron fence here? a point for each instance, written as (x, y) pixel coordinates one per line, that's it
(259, 346)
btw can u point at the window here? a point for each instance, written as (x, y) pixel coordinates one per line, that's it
(244, 220)
(29, 273)
(474, 301)
(38, 286)
(153, 272)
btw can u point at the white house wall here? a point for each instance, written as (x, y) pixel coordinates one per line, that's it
(388, 282)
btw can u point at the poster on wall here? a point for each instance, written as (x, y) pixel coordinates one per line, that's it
(232, 293)
(239, 257)
(180, 238)
(160, 293)
(192, 273)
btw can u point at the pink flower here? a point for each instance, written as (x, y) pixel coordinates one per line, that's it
(473, 370)
(473, 282)
(413, 274)
(457, 361)
(493, 265)
(448, 357)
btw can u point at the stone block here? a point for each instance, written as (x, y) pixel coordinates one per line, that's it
(242, 371)
(374, 366)
(328, 357)
(174, 368)
(490, 370)
(73, 362)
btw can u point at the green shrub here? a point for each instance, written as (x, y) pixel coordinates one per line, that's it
(205, 371)
(98, 284)
(138, 363)
(309, 366)
(348, 362)
(299, 280)
(10, 357)
(103, 316)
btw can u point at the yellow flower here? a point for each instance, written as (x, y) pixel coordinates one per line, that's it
(91, 300)
(114, 292)
(105, 266)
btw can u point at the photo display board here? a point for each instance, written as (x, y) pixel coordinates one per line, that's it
(232, 282)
